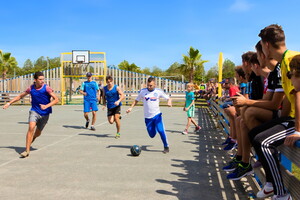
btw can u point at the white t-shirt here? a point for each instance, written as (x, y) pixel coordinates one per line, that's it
(151, 101)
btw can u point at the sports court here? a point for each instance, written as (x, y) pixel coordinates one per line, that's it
(71, 162)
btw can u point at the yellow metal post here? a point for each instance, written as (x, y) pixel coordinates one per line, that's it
(220, 73)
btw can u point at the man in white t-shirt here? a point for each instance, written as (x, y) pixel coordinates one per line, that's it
(153, 117)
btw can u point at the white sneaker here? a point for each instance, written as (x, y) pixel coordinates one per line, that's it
(285, 197)
(265, 192)
(184, 132)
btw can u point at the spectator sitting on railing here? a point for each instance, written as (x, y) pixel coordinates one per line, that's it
(230, 110)
(257, 111)
(210, 90)
(266, 137)
(231, 139)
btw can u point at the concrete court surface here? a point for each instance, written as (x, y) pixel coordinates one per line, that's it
(71, 162)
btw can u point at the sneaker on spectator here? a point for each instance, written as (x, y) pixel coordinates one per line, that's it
(257, 164)
(265, 192)
(93, 128)
(230, 146)
(227, 141)
(284, 197)
(240, 172)
(232, 165)
(197, 128)
(184, 132)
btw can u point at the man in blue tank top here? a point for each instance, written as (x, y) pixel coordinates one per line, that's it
(90, 91)
(41, 104)
(112, 97)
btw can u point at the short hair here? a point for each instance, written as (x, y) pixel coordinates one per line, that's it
(254, 60)
(231, 81)
(295, 66)
(247, 56)
(258, 47)
(150, 79)
(240, 72)
(190, 84)
(108, 77)
(37, 74)
(273, 34)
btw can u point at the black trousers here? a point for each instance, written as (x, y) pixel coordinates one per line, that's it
(265, 139)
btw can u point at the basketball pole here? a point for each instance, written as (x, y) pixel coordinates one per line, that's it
(220, 64)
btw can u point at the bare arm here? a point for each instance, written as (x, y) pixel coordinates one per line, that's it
(272, 104)
(17, 98)
(122, 96)
(52, 103)
(132, 105)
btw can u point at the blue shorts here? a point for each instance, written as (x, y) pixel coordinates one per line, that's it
(89, 106)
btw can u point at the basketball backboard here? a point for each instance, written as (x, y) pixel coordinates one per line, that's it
(81, 56)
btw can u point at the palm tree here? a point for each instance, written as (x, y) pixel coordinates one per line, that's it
(129, 67)
(7, 63)
(191, 62)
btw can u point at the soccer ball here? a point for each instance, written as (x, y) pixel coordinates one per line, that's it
(135, 150)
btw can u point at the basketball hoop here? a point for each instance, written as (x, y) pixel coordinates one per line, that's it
(81, 57)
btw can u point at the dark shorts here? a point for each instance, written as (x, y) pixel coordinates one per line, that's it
(40, 120)
(113, 111)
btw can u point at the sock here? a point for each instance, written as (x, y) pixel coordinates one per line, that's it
(244, 164)
(233, 140)
(269, 184)
(238, 158)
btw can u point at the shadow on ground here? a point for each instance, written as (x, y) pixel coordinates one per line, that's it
(18, 149)
(203, 177)
(144, 147)
(75, 127)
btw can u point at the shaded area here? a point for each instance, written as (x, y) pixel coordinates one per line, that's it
(18, 149)
(203, 177)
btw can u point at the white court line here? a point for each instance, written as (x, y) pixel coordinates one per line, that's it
(49, 145)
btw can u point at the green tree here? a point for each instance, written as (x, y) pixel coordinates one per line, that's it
(147, 71)
(228, 69)
(212, 73)
(191, 61)
(156, 71)
(28, 67)
(7, 64)
(40, 64)
(129, 67)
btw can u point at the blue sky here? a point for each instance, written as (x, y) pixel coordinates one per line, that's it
(148, 33)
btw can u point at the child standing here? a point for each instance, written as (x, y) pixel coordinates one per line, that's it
(190, 108)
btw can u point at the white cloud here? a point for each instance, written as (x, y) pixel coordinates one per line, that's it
(240, 6)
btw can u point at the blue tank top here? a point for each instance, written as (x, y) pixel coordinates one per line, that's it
(38, 97)
(111, 97)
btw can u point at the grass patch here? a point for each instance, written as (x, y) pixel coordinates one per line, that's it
(296, 171)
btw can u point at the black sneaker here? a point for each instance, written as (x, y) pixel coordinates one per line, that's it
(240, 172)
(166, 150)
(87, 124)
(232, 165)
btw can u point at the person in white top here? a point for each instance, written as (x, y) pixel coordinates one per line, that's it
(153, 117)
